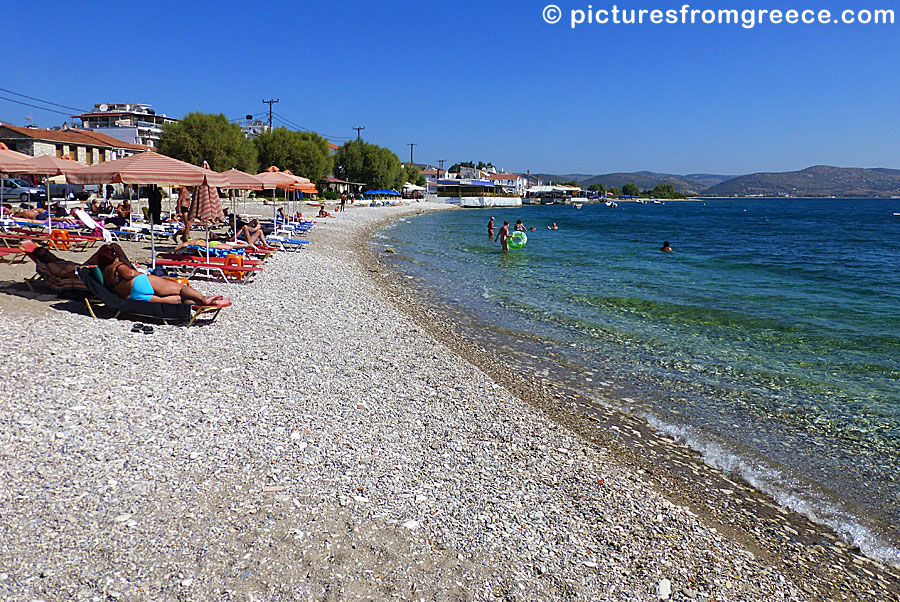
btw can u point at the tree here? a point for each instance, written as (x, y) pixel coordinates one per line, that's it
(665, 191)
(411, 173)
(480, 165)
(598, 188)
(203, 137)
(421, 180)
(305, 154)
(573, 183)
(377, 167)
(614, 191)
(631, 189)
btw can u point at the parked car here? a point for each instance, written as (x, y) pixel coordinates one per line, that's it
(71, 191)
(16, 189)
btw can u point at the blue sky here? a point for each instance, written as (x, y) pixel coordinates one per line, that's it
(486, 81)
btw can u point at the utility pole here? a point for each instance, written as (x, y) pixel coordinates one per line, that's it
(358, 130)
(441, 162)
(270, 103)
(411, 145)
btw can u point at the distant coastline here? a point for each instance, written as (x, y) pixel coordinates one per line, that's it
(821, 181)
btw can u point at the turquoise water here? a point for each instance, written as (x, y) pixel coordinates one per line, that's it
(769, 341)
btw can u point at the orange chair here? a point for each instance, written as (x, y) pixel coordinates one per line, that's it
(235, 260)
(59, 239)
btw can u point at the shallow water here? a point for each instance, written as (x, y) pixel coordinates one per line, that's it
(769, 340)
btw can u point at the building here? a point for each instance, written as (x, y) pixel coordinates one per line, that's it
(128, 122)
(255, 127)
(85, 146)
(509, 181)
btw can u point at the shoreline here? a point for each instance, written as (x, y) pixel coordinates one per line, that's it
(320, 441)
(727, 502)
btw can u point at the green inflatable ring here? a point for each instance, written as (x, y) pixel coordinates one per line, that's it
(517, 240)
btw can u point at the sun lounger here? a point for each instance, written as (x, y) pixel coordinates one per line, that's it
(12, 255)
(229, 273)
(166, 312)
(202, 258)
(287, 244)
(63, 287)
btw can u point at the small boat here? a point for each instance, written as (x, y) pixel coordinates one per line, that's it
(548, 202)
(578, 206)
(658, 202)
(611, 204)
(640, 201)
(897, 214)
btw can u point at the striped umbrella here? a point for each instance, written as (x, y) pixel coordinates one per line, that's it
(206, 207)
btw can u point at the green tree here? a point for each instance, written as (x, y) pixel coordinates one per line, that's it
(207, 137)
(421, 180)
(614, 191)
(411, 173)
(666, 191)
(305, 154)
(572, 183)
(377, 167)
(598, 188)
(631, 189)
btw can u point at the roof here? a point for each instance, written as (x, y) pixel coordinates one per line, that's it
(504, 176)
(429, 172)
(333, 146)
(74, 136)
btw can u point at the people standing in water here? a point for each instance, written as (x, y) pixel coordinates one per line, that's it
(520, 227)
(553, 227)
(666, 248)
(503, 235)
(491, 228)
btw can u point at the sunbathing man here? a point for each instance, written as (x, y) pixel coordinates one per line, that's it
(31, 214)
(63, 268)
(128, 283)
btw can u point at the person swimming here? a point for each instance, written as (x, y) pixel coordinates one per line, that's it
(666, 248)
(553, 227)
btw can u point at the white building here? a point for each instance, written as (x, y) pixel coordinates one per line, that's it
(129, 122)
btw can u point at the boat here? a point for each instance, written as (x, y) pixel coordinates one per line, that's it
(640, 201)
(897, 214)
(578, 206)
(611, 204)
(658, 202)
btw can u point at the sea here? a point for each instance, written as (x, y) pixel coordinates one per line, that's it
(769, 340)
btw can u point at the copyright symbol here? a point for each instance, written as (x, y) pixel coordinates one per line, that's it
(552, 14)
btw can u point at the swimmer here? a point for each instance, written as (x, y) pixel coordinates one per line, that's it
(666, 248)
(503, 235)
(491, 228)
(553, 227)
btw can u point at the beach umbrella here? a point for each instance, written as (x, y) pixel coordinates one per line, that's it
(239, 180)
(206, 207)
(11, 162)
(148, 168)
(48, 165)
(279, 180)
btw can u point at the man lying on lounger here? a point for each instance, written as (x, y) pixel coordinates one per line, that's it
(62, 268)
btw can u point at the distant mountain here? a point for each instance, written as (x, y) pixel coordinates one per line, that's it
(707, 179)
(646, 180)
(818, 181)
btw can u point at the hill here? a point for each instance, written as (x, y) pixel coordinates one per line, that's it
(646, 180)
(817, 181)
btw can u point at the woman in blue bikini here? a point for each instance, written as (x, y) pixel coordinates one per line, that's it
(128, 283)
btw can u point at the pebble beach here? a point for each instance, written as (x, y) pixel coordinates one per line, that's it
(320, 441)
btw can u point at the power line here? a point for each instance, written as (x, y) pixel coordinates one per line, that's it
(28, 104)
(358, 130)
(297, 126)
(46, 102)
